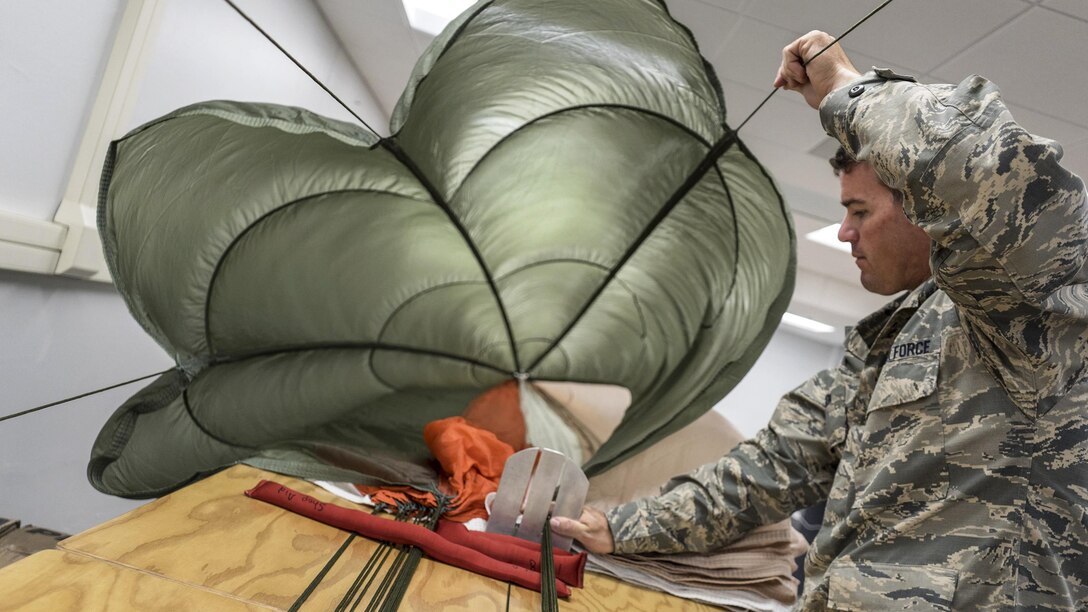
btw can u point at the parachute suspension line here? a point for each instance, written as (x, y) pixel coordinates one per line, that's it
(321, 575)
(370, 570)
(818, 54)
(391, 146)
(414, 554)
(81, 396)
(301, 67)
(709, 160)
(393, 585)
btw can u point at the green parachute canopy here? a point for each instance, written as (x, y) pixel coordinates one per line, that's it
(537, 212)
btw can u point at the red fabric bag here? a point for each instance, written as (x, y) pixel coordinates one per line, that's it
(431, 543)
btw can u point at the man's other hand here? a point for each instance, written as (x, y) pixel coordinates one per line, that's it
(591, 529)
(817, 79)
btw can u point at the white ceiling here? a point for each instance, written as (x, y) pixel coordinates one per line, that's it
(1033, 49)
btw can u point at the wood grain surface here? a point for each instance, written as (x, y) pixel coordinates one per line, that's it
(211, 536)
(52, 581)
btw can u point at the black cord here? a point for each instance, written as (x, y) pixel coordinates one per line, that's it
(300, 66)
(80, 396)
(809, 60)
(321, 575)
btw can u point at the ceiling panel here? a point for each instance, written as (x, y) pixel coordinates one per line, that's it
(784, 119)
(805, 180)
(382, 45)
(1049, 78)
(893, 35)
(710, 25)
(752, 53)
(1076, 158)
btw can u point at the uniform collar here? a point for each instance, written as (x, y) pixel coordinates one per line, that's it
(872, 327)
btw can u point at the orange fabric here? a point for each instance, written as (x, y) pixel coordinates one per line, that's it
(499, 410)
(391, 496)
(472, 460)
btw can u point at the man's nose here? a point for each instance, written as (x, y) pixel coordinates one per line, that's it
(847, 233)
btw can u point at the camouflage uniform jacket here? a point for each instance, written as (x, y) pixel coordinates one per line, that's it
(951, 444)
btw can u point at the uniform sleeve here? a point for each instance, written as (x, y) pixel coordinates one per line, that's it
(1008, 222)
(789, 465)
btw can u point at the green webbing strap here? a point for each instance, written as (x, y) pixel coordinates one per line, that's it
(370, 570)
(404, 577)
(321, 575)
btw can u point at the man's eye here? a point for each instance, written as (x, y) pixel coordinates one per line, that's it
(858, 214)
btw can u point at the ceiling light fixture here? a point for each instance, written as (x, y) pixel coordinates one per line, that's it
(432, 16)
(827, 236)
(806, 324)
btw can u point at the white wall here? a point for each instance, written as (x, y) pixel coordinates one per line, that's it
(204, 50)
(60, 337)
(788, 360)
(52, 54)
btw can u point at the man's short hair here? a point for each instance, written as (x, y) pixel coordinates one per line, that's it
(842, 162)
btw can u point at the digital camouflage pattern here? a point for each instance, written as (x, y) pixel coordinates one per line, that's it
(951, 444)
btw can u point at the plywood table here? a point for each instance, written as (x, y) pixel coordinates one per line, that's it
(208, 547)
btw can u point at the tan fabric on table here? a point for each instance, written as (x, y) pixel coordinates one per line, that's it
(760, 563)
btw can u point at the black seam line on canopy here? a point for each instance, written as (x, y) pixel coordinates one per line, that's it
(677, 416)
(258, 221)
(389, 145)
(782, 209)
(97, 468)
(752, 158)
(419, 294)
(712, 77)
(736, 232)
(736, 255)
(634, 298)
(393, 314)
(567, 109)
(441, 202)
(593, 264)
(203, 428)
(696, 176)
(362, 346)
